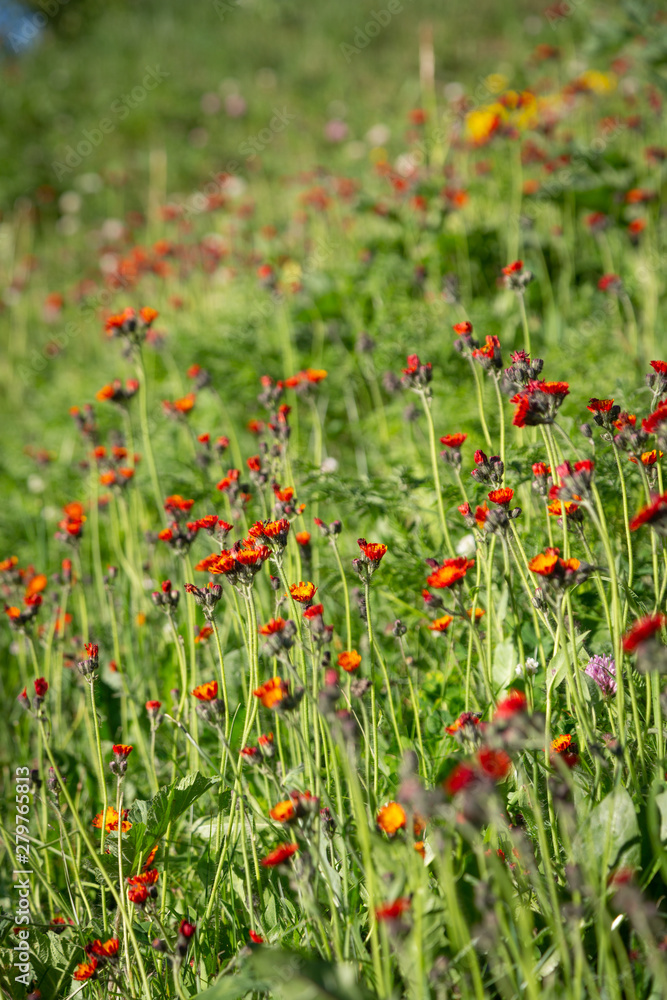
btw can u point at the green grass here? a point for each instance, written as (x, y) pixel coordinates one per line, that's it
(538, 879)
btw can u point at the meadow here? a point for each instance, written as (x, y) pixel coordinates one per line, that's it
(333, 554)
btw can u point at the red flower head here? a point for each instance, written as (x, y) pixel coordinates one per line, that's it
(349, 660)
(462, 328)
(273, 626)
(502, 497)
(280, 855)
(303, 592)
(460, 778)
(600, 405)
(453, 440)
(314, 611)
(507, 708)
(373, 551)
(207, 691)
(495, 764)
(643, 630)
(86, 970)
(41, 687)
(514, 268)
(610, 283)
(655, 514)
(392, 911)
(451, 572)
(256, 938)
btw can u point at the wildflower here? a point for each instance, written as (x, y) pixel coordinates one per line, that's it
(255, 938)
(179, 407)
(460, 778)
(138, 894)
(453, 440)
(273, 692)
(186, 932)
(273, 626)
(86, 970)
(516, 278)
(206, 692)
(392, 912)
(266, 746)
(464, 727)
(283, 812)
(452, 450)
(563, 749)
(451, 572)
(416, 375)
(207, 598)
(495, 764)
(642, 631)
(487, 470)
(103, 949)
(559, 572)
(538, 403)
(349, 660)
(654, 514)
(58, 924)
(610, 283)
(110, 821)
(391, 818)
(118, 765)
(514, 703)
(602, 669)
(303, 592)
(489, 355)
(441, 624)
(531, 666)
(502, 497)
(279, 855)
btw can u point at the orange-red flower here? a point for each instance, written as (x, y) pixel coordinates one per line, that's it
(502, 497)
(272, 692)
(495, 764)
(283, 812)
(86, 970)
(349, 660)
(655, 514)
(207, 691)
(643, 630)
(374, 551)
(303, 592)
(453, 440)
(391, 818)
(103, 949)
(600, 405)
(272, 626)
(544, 563)
(451, 572)
(110, 821)
(441, 624)
(279, 855)
(393, 911)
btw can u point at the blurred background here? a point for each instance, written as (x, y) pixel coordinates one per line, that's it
(336, 68)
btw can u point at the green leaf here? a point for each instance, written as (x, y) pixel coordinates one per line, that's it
(610, 834)
(290, 976)
(504, 664)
